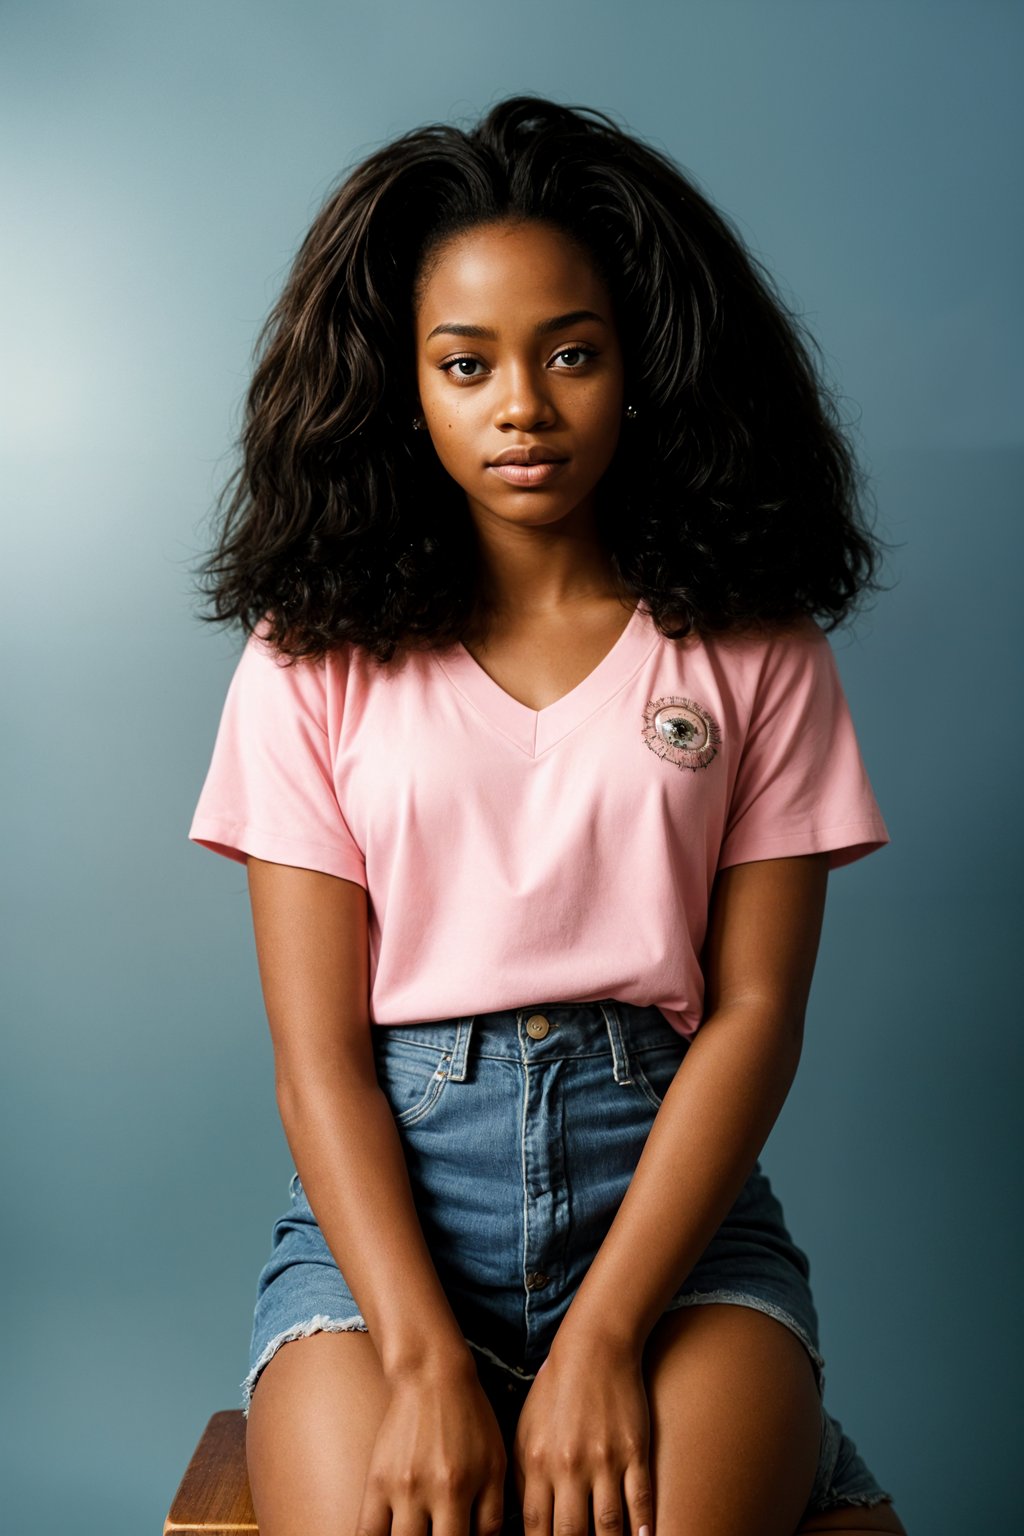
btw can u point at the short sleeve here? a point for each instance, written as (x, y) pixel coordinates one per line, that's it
(801, 785)
(269, 790)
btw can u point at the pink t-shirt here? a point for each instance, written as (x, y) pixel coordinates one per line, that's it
(514, 856)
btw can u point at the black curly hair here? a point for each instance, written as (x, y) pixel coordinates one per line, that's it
(734, 499)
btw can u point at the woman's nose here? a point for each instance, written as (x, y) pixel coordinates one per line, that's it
(524, 402)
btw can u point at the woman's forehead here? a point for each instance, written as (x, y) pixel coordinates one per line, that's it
(523, 273)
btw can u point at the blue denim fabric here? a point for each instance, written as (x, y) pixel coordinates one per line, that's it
(520, 1141)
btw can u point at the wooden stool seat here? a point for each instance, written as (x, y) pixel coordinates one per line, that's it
(213, 1498)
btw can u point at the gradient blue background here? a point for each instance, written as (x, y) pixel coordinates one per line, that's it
(160, 164)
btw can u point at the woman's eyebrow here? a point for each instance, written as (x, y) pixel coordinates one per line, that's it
(450, 328)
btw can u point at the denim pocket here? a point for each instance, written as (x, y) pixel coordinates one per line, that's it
(412, 1075)
(653, 1068)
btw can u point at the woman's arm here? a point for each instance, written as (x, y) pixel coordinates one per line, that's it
(438, 1458)
(584, 1431)
(312, 949)
(764, 926)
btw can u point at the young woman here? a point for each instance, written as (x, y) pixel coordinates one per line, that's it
(538, 757)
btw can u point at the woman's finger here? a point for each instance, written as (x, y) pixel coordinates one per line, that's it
(537, 1499)
(607, 1501)
(451, 1517)
(374, 1517)
(489, 1509)
(408, 1518)
(639, 1498)
(572, 1506)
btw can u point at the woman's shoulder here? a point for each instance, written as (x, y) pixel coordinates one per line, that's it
(273, 682)
(754, 632)
(266, 648)
(751, 642)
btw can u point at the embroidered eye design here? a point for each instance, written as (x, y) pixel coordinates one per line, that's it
(681, 731)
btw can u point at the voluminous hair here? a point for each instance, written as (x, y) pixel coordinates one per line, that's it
(734, 497)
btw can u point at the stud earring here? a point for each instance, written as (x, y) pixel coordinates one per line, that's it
(631, 412)
(418, 423)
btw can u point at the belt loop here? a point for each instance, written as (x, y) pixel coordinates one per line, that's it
(617, 1039)
(460, 1049)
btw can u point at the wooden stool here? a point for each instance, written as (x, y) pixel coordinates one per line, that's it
(213, 1498)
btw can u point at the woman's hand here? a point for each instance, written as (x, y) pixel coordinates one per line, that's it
(583, 1439)
(438, 1463)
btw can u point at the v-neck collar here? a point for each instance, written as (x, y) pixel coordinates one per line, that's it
(533, 731)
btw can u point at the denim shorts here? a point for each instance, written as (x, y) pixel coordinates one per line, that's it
(521, 1129)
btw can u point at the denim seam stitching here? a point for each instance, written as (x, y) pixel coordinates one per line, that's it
(620, 1056)
(523, 1125)
(416, 1112)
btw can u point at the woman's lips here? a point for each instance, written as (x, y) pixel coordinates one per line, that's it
(528, 474)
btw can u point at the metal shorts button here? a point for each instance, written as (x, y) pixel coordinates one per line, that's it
(537, 1026)
(536, 1280)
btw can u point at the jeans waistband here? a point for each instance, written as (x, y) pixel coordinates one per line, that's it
(544, 1032)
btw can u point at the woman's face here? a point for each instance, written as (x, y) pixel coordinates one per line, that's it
(516, 348)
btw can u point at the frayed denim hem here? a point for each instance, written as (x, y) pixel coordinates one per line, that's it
(745, 1299)
(845, 1500)
(319, 1324)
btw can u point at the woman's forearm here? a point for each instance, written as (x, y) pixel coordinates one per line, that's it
(706, 1137)
(349, 1157)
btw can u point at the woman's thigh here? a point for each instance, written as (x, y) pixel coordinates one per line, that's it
(735, 1423)
(312, 1424)
(736, 1429)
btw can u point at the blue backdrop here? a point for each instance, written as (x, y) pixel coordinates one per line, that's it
(160, 165)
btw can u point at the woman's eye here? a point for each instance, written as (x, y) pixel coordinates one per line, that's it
(460, 362)
(455, 366)
(584, 352)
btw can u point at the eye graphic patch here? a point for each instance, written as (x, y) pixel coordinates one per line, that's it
(681, 731)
